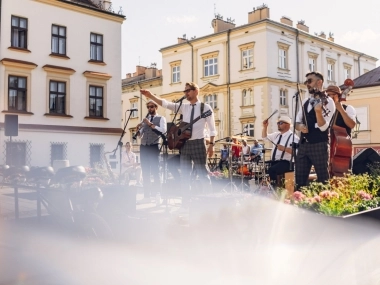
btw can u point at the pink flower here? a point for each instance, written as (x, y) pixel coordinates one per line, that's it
(298, 196)
(317, 199)
(325, 194)
(364, 195)
(287, 201)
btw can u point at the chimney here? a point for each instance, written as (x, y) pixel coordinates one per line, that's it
(150, 72)
(159, 72)
(140, 70)
(322, 35)
(220, 25)
(286, 20)
(331, 37)
(128, 75)
(301, 26)
(258, 14)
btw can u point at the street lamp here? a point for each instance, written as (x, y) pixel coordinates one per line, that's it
(356, 129)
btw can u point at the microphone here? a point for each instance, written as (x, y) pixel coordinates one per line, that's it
(179, 100)
(132, 110)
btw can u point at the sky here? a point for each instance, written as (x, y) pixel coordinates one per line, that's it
(151, 25)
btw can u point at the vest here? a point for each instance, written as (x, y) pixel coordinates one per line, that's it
(340, 122)
(151, 136)
(315, 135)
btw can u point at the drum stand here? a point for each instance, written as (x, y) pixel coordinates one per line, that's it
(230, 184)
(265, 188)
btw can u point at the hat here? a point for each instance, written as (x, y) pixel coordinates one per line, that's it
(285, 119)
(151, 101)
(334, 89)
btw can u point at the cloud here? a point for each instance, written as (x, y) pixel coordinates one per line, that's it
(181, 19)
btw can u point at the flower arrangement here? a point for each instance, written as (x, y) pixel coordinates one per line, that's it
(340, 196)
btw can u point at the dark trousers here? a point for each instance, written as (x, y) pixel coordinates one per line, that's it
(149, 156)
(309, 154)
(278, 167)
(193, 158)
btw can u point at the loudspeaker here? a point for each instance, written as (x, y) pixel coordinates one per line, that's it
(11, 125)
(362, 159)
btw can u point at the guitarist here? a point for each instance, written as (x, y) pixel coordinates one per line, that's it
(194, 151)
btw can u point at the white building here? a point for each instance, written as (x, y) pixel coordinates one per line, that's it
(248, 72)
(60, 66)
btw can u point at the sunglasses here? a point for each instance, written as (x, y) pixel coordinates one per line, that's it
(151, 107)
(187, 90)
(308, 81)
(281, 123)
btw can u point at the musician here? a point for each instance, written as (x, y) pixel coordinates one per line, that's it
(224, 153)
(245, 149)
(313, 122)
(194, 150)
(235, 149)
(282, 149)
(130, 165)
(256, 151)
(345, 115)
(151, 129)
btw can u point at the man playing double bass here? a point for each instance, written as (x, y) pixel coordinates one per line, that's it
(313, 120)
(341, 146)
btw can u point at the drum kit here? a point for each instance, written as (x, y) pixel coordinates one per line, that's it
(245, 168)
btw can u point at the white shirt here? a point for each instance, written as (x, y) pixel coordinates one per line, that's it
(351, 112)
(274, 138)
(198, 131)
(129, 158)
(330, 107)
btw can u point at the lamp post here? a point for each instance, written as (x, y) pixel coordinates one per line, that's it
(356, 129)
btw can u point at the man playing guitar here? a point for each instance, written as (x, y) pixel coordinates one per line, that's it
(194, 150)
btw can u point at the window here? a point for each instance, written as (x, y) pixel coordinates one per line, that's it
(96, 47)
(283, 55)
(15, 153)
(58, 152)
(211, 100)
(311, 64)
(347, 70)
(249, 128)
(134, 114)
(283, 97)
(19, 32)
(247, 97)
(57, 97)
(133, 138)
(175, 74)
(330, 72)
(95, 154)
(58, 40)
(211, 66)
(96, 101)
(247, 59)
(17, 93)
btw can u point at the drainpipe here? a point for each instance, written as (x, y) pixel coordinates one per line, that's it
(359, 61)
(228, 83)
(192, 60)
(297, 55)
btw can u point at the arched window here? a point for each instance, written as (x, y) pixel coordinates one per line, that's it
(283, 97)
(247, 97)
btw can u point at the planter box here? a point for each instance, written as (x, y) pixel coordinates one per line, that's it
(373, 213)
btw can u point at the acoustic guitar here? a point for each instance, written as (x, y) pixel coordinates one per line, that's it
(178, 135)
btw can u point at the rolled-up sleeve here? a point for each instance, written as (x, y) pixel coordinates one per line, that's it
(171, 106)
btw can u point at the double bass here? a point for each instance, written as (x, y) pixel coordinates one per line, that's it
(340, 141)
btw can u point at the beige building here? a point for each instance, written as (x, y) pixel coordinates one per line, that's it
(247, 72)
(365, 97)
(59, 74)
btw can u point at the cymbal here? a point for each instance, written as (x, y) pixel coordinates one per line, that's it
(229, 143)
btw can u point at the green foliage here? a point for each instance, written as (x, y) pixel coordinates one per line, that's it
(340, 196)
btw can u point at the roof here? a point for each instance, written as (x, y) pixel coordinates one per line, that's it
(95, 5)
(370, 78)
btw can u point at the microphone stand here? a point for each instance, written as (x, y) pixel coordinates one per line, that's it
(297, 99)
(120, 143)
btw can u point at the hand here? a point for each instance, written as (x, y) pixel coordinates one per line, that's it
(146, 93)
(265, 123)
(281, 147)
(146, 121)
(210, 150)
(303, 129)
(318, 107)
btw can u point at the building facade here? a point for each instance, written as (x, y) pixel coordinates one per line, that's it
(60, 78)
